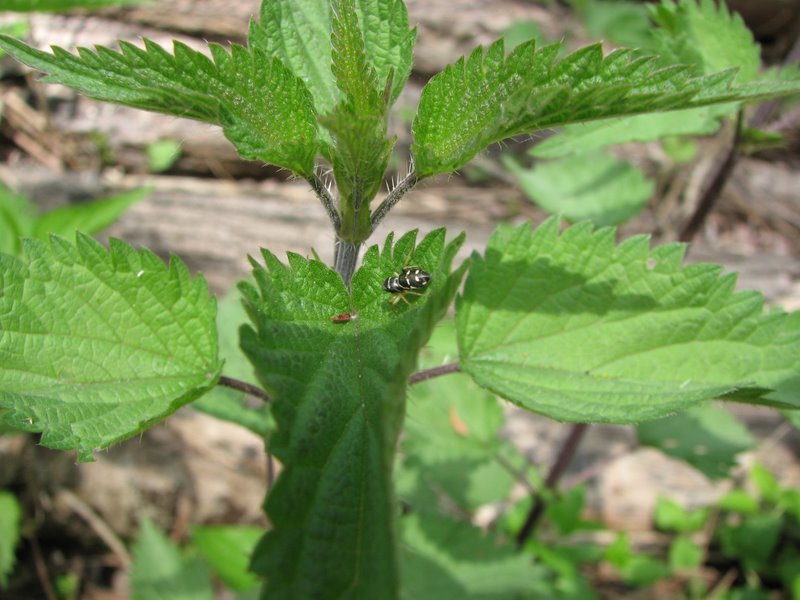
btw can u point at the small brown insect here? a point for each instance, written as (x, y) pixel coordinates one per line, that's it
(343, 317)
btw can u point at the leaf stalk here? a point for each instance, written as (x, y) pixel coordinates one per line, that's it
(405, 185)
(565, 455)
(243, 386)
(327, 200)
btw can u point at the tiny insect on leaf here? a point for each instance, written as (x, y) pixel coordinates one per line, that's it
(411, 280)
(343, 317)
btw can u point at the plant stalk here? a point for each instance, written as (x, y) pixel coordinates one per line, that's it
(565, 455)
(433, 372)
(345, 257)
(243, 386)
(327, 201)
(714, 189)
(400, 190)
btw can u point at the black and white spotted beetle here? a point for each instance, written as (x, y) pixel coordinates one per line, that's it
(411, 280)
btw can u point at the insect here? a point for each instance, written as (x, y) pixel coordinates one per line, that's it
(343, 317)
(411, 280)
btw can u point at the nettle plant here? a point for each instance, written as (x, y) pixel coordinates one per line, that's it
(99, 344)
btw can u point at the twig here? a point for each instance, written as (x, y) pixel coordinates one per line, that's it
(713, 191)
(591, 471)
(243, 386)
(41, 570)
(565, 455)
(98, 525)
(517, 474)
(405, 185)
(327, 201)
(723, 584)
(434, 372)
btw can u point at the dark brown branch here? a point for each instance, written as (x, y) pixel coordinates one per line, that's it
(714, 190)
(243, 386)
(434, 372)
(568, 449)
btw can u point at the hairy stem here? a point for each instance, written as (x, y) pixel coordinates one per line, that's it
(327, 200)
(243, 386)
(405, 185)
(434, 372)
(345, 257)
(568, 449)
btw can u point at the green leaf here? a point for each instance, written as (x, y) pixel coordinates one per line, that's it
(226, 403)
(766, 483)
(16, 29)
(355, 57)
(707, 437)
(671, 516)
(790, 501)
(451, 440)
(578, 329)
(565, 509)
(354, 76)
(568, 563)
(623, 22)
(738, 501)
(62, 5)
(522, 31)
(227, 548)
(489, 97)
(17, 219)
(97, 345)
(10, 514)
(162, 154)
(339, 395)
(586, 137)
(160, 572)
(298, 33)
(793, 416)
(357, 123)
(444, 558)
(636, 569)
(90, 217)
(264, 110)
(751, 541)
(707, 35)
(596, 187)
(684, 554)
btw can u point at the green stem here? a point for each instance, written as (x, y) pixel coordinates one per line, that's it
(405, 185)
(327, 200)
(345, 257)
(568, 449)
